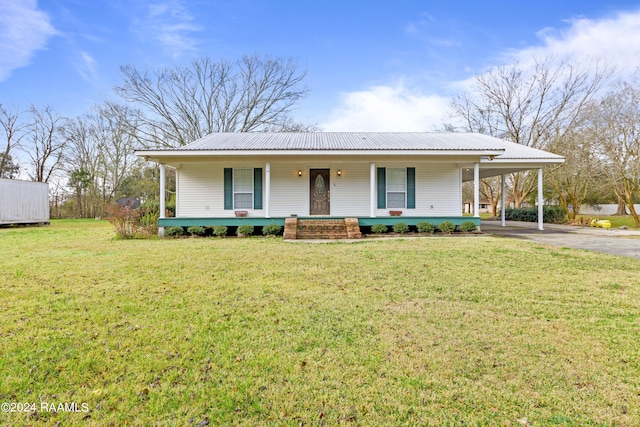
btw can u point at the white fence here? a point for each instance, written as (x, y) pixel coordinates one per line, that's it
(23, 202)
(605, 209)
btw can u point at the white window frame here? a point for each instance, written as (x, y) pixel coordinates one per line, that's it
(404, 174)
(242, 192)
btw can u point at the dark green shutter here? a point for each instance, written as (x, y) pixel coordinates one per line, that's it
(228, 188)
(411, 188)
(257, 188)
(382, 188)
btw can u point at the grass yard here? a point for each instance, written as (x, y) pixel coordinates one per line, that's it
(429, 331)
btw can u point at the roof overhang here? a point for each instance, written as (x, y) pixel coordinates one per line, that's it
(490, 168)
(159, 155)
(495, 156)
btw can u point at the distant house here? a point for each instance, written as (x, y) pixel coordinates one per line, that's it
(484, 206)
(372, 177)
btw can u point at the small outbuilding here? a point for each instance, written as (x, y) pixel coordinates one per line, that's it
(23, 202)
(367, 177)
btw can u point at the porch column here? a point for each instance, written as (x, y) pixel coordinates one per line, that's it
(162, 190)
(540, 201)
(267, 190)
(372, 182)
(177, 207)
(476, 189)
(502, 200)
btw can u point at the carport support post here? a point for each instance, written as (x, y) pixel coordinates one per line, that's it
(162, 197)
(502, 201)
(540, 201)
(476, 189)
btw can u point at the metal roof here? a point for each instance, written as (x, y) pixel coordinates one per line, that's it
(341, 141)
(520, 152)
(353, 142)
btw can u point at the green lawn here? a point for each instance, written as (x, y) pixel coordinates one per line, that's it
(423, 331)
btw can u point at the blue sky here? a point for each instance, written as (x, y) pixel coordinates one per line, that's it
(372, 65)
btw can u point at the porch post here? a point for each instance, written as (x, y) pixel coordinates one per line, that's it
(502, 201)
(476, 189)
(372, 183)
(162, 190)
(540, 201)
(177, 207)
(267, 190)
(162, 197)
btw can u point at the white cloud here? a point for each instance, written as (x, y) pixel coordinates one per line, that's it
(170, 24)
(388, 109)
(24, 29)
(87, 66)
(615, 39)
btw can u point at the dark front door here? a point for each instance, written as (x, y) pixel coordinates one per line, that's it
(319, 192)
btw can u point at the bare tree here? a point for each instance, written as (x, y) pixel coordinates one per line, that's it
(490, 189)
(101, 155)
(529, 106)
(616, 125)
(114, 129)
(83, 162)
(47, 143)
(582, 170)
(184, 103)
(13, 129)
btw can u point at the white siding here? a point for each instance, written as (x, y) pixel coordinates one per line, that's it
(438, 190)
(201, 192)
(23, 202)
(350, 193)
(289, 192)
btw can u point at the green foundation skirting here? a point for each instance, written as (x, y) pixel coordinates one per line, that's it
(362, 221)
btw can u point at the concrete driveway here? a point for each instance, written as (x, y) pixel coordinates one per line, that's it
(614, 241)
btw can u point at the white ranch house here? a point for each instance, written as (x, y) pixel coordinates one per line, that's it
(261, 178)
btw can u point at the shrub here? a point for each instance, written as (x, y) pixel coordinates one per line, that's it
(426, 227)
(173, 231)
(124, 219)
(552, 214)
(468, 226)
(245, 230)
(196, 230)
(400, 227)
(271, 229)
(149, 215)
(379, 228)
(446, 227)
(170, 206)
(149, 222)
(220, 230)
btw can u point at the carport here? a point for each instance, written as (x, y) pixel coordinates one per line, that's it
(516, 158)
